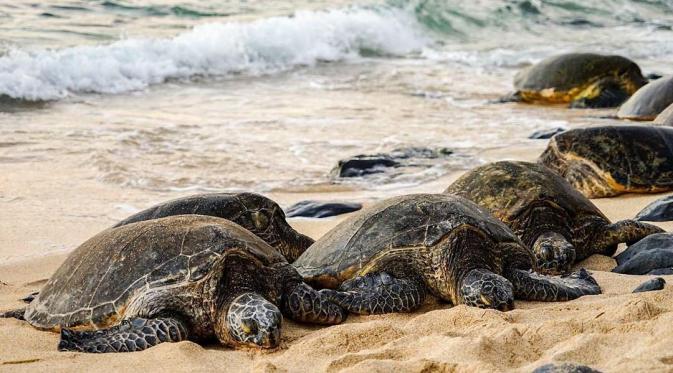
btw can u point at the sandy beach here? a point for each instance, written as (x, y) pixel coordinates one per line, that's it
(616, 331)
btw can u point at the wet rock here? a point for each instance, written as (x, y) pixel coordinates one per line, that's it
(565, 368)
(546, 133)
(665, 118)
(321, 209)
(659, 210)
(652, 253)
(367, 164)
(651, 285)
(648, 101)
(661, 271)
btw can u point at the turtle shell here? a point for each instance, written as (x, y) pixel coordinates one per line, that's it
(648, 101)
(417, 220)
(97, 281)
(507, 188)
(665, 118)
(610, 160)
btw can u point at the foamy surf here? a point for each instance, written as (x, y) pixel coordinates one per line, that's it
(216, 49)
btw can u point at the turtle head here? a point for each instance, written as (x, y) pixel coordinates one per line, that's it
(484, 289)
(250, 320)
(267, 220)
(554, 255)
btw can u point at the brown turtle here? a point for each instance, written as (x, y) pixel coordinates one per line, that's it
(185, 277)
(557, 222)
(387, 257)
(579, 79)
(610, 160)
(254, 212)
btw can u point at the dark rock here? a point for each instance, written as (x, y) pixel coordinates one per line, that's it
(565, 368)
(367, 164)
(546, 133)
(321, 209)
(651, 285)
(659, 210)
(661, 271)
(646, 261)
(658, 241)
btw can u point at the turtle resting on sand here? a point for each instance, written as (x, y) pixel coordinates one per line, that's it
(388, 257)
(611, 160)
(557, 222)
(187, 277)
(579, 79)
(254, 212)
(648, 101)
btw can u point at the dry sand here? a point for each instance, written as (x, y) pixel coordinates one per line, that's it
(48, 211)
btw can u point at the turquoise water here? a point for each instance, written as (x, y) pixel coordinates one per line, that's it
(182, 95)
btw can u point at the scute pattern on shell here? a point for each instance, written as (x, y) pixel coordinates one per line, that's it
(98, 280)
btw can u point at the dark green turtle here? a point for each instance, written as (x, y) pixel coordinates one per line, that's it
(648, 101)
(388, 257)
(185, 277)
(254, 212)
(557, 222)
(610, 160)
(579, 79)
(665, 118)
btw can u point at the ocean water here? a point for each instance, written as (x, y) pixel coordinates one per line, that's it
(269, 95)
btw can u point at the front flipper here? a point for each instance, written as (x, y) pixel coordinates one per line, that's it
(377, 293)
(605, 93)
(14, 314)
(533, 286)
(627, 231)
(306, 304)
(135, 334)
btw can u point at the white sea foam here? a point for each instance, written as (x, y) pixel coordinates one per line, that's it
(217, 49)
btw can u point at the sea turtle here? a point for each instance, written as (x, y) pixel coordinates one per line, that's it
(610, 160)
(557, 222)
(579, 79)
(254, 212)
(665, 118)
(387, 257)
(648, 101)
(185, 277)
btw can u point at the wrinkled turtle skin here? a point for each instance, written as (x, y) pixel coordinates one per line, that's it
(254, 212)
(170, 279)
(557, 222)
(649, 101)
(579, 79)
(387, 257)
(607, 161)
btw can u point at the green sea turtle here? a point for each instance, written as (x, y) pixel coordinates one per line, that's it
(648, 101)
(386, 258)
(254, 212)
(579, 79)
(557, 222)
(610, 160)
(665, 118)
(185, 277)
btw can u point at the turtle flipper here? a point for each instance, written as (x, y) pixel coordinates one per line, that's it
(14, 314)
(529, 285)
(553, 253)
(377, 293)
(628, 231)
(306, 304)
(135, 334)
(605, 93)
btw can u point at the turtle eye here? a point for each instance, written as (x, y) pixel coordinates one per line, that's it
(249, 327)
(260, 219)
(485, 300)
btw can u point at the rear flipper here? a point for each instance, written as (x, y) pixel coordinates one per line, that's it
(533, 286)
(377, 293)
(135, 334)
(605, 93)
(628, 231)
(14, 314)
(306, 304)
(30, 297)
